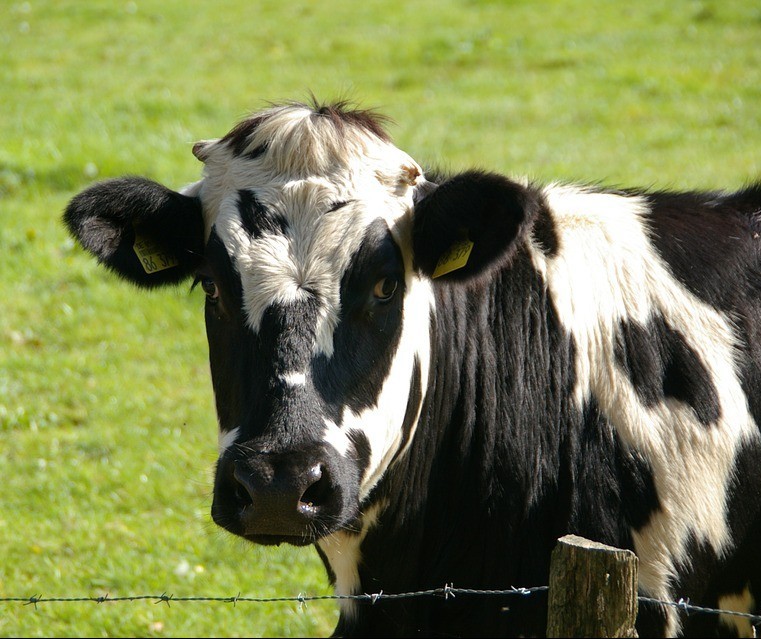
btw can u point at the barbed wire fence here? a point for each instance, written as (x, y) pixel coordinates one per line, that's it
(446, 592)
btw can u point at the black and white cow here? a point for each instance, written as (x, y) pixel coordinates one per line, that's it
(432, 379)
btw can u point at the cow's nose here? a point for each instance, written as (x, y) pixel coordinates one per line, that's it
(304, 490)
(272, 498)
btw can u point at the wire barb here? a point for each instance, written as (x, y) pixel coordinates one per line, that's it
(165, 598)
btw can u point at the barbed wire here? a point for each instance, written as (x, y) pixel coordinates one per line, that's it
(446, 592)
(686, 606)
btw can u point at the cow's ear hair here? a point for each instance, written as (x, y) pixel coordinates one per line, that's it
(143, 231)
(471, 223)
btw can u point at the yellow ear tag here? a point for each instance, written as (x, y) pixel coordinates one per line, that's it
(151, 256)
(456, 257)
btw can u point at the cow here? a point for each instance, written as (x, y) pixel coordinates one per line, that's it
(432, 377)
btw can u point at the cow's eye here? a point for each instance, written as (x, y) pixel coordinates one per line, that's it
(384, 289)
(210, 288)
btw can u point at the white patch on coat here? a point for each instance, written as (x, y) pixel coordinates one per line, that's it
(740, 602)
(382, 422)
(294, 379)
(226, 439)
(336, 437)
(606, 270)
(342, 551)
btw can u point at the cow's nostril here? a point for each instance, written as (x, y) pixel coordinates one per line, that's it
(317, 492)
(242, 495)
(243, 489)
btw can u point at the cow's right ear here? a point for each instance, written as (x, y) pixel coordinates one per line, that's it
(471, 223)
(143, 231)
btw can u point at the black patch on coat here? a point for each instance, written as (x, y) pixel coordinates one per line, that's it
(239, 136)
(367, 335)
(256, 218)
(362, 449)
(287, 333)
(711, 242)
(660, 363)
(636, 479)
(544, 233)
(257, 151)
(637, 482)
(611, 483)
(341, 114)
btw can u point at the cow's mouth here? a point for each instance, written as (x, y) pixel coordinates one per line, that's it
(277, 540)
(266, 527)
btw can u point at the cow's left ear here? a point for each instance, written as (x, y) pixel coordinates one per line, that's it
(471, 223)
(140, 229)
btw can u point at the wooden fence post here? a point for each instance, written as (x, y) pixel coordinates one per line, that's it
(592, 590)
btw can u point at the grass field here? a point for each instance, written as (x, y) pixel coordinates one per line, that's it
(107, 428)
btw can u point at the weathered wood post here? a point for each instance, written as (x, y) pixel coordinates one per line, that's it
(592, 590)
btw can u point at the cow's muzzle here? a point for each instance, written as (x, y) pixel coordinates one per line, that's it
(271, 498)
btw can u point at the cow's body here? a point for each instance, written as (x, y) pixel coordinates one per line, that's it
(592, 368)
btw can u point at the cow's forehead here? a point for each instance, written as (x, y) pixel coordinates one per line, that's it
(300, 163)
(292, 198)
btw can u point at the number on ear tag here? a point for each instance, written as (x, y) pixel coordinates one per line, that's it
(151, 256)
(456, 257)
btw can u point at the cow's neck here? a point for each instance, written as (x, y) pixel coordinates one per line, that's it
(454, 491)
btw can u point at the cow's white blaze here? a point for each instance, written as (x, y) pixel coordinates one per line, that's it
(691, 462)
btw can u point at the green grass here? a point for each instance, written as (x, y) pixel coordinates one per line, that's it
(107, 427)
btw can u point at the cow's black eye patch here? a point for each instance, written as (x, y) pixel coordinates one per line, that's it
(219, 280)
(376, 274)
(370, 326)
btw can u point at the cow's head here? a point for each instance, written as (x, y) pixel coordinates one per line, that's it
(315, 241)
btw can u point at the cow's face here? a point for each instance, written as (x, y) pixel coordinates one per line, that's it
(315, 241)
(317, 323)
